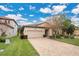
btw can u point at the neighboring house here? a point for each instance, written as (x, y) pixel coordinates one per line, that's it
(37, 30)
(76, 32)
(9, 26)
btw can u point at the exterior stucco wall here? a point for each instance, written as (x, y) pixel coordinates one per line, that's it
(9, 31)
(76, 32)
(14, 31)
(5, 29)
(50, 32)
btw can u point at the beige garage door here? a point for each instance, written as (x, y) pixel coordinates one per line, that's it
(35, 32)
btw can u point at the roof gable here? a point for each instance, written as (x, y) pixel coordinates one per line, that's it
(45, 24)
(40, 25)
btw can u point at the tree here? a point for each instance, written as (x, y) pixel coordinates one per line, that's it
(70, 30)
(61, 25)
(56, 23)
(65, 26)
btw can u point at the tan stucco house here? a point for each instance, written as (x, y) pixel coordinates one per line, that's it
(46, 29)
(37, 30)
(76, 32)
(9, 26)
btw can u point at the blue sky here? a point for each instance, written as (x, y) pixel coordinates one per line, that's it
(28, 13)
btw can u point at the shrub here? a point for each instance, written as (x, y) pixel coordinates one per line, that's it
(72, 36)
(3, 37)
(55, 36)
(58, 36)
(50, 37)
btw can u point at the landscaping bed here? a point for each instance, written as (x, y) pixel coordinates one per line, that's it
(17, 47)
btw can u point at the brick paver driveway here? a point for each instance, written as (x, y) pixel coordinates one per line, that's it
(48, 47)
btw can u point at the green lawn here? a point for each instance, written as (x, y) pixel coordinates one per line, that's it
(18, 47)
(70, 41)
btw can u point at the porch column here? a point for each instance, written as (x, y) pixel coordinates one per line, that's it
(50, 32)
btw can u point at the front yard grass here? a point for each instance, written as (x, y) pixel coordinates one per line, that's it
(18, 47)
(74, 41)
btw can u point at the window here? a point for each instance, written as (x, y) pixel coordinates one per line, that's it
(5, 21)
(8, 21)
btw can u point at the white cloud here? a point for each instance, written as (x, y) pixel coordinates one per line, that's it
(75, 20)
(31, 7)
(20, 20)
(21, 8)
(19, 15)
(31, 15)
(49, 5)
(78, 6)
(58, 8)
(55, 9)
(4, 8)
(34, 21)
(24, 23)
(16, 17)
(45, 10)
(43, 19)
(76, 10)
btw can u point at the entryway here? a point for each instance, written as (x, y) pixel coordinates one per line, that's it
(46, 32)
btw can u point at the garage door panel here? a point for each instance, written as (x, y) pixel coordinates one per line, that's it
(35, 33)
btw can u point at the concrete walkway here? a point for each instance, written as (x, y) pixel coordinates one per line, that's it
(48, 47)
